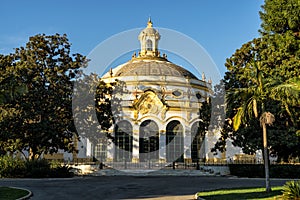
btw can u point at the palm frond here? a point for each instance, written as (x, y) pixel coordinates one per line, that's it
(237, 119)
(288, 92)
(252, 106)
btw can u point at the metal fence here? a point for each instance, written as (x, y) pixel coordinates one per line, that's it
(149, 165)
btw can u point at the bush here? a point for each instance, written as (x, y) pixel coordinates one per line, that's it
(17, 168)
(258, 170)
(11, 167)
(38, 168)
(247, 170)
(62, 172)
(285, 171)
(291, 190)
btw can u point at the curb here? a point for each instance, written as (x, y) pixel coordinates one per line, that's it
(25, 197)
(196, 197)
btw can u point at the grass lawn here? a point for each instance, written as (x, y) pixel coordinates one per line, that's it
(242, 193)
(7, 193)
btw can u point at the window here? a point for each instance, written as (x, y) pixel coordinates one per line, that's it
(149, 141)
(174, 142)
(123, 142)
(177, 93)
(197, 141)
(149, 45)
(101, 150)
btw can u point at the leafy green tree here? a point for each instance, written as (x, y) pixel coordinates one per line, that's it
(259, 78)
(279, 16)
(96, 106)
(38, 118)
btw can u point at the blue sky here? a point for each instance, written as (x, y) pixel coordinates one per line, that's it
(219, 26)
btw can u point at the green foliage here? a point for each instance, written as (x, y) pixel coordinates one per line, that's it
(17, 168)
(36, 86)
(11, 167)
(280, 16)
(96, 106)
(37, 168)
(257, 170)
(205, 116)
(218, 109)
(247, 170)
(291, 190)
(62, 172)
(42, 169)
(263, 75)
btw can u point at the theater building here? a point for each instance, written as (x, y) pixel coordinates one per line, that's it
(159, 113)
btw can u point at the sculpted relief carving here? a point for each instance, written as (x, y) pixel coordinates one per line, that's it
(149, 103)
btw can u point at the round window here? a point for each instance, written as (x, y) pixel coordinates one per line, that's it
(177, 93)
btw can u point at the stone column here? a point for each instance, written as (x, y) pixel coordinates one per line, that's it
(162, 146)
(187, 145)
(135, 143)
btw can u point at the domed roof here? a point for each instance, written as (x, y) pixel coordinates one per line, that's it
(149, 31)
(152, 67)
(148, 62)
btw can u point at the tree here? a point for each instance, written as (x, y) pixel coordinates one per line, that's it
(276, 53)
(279, 16)
(96, 107)
(40, 118)
(288, 93)
(266, 118)
(253, 101)
(258, 80)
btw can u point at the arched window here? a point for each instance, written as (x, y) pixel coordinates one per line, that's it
(174, 142)
(149, 45)
(149, 141)
(100, 151)
(123, 142)
(196, 142)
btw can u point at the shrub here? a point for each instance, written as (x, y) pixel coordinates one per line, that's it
(247, 170)
(38, 168)
(11, 167)
(62, 172)
(291, 190)
(17, 168)
(258, 170)
(285, 171)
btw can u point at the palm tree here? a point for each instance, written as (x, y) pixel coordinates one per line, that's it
(252, 100)
(266, 118)
(288, 93)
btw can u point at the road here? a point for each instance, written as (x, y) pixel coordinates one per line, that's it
(129, 187)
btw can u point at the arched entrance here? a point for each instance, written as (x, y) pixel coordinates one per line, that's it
(123, 142)
(174, 142)
(148, 141)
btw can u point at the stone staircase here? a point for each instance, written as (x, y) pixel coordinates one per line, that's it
(94, 170)
(146, 172)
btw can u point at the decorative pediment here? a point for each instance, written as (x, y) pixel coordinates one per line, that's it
(149, 103)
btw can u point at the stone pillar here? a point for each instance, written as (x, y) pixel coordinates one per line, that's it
(135, 143)
(162, 146)
(187, 145)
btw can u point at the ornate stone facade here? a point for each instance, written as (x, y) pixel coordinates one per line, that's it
(159, 115)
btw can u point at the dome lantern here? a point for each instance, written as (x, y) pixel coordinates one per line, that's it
(149, 38)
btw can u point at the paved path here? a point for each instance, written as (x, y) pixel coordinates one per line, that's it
(129, 187)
